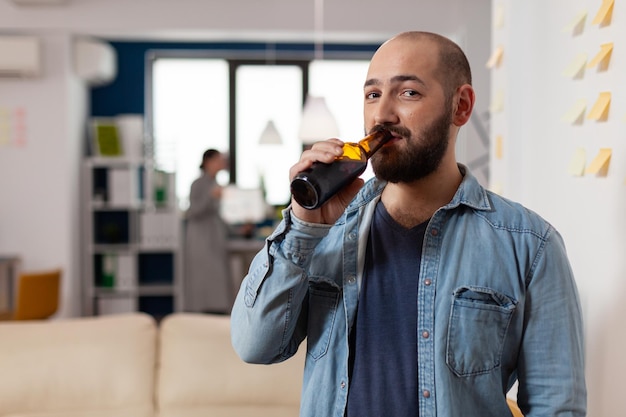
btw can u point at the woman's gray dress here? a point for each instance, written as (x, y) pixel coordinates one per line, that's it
(208, 286)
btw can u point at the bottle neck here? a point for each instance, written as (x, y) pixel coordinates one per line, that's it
(371, 143)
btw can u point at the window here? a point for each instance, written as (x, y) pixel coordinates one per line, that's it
(267, 93)
(192, 111)
(190, 108)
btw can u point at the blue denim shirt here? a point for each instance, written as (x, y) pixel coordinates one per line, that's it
(497, 302)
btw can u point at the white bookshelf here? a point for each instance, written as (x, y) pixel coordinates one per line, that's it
(132, 250)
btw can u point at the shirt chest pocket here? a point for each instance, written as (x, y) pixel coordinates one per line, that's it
(479, 320)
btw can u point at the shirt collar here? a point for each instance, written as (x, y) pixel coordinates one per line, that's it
(469, 193)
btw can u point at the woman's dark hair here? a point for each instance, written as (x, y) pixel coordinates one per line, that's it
(208, 154)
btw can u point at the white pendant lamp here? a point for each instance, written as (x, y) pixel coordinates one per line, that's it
(270, 135)
(318, 123)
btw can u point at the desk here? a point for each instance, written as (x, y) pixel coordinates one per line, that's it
(9, 269)
(241, 253)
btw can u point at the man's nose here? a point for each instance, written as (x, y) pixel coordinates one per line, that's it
(385, 112)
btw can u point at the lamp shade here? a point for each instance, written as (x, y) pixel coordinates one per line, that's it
(318, 123)
(270, 135)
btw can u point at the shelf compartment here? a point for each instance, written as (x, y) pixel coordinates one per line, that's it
(119, 186)
(111, 227)
(156, 268)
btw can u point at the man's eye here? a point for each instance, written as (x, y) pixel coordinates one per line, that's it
(371, 95)
(411, 93)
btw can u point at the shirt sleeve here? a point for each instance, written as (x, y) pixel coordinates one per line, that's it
(269, 316)
(551, 363)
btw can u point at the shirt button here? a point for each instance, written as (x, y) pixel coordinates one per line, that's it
(351, 279)
(343, 384)
(434, 232)
(425, 334)
(426, 393)
(427, 282)
(352, 236)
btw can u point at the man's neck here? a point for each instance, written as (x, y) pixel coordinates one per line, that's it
(413, 203)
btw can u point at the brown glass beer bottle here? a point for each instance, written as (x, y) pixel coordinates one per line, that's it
(314, 186)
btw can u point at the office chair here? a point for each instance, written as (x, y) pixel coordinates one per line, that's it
(37, 296)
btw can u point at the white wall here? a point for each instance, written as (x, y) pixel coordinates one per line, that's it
(537, 148)
(39, 176)
(39, 201)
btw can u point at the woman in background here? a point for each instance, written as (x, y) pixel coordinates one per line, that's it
(208, 287)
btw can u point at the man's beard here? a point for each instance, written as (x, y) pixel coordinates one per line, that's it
(420, 158)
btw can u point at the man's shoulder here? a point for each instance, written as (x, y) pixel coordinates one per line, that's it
(513, 216)
(499, 211)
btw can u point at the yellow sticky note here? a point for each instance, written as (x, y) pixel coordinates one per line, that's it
(496, 57)
(497, 103)
(604, 13)
(576, 166)
(577, 24)
(498, 16)
(603, 56)
(600, 164)
(499, 147)
(600, 110)
(575, 114)
(577, 66)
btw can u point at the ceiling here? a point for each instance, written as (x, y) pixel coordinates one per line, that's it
(268, 20)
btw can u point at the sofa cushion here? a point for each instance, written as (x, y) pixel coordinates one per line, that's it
(201, 375)
(100, 367)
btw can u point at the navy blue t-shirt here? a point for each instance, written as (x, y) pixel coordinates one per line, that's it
(383, 341)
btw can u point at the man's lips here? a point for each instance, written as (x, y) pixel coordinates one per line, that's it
(395, 138)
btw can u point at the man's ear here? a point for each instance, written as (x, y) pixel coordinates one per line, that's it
(463, 105)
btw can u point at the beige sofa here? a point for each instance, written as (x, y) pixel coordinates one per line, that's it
(128, 366)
